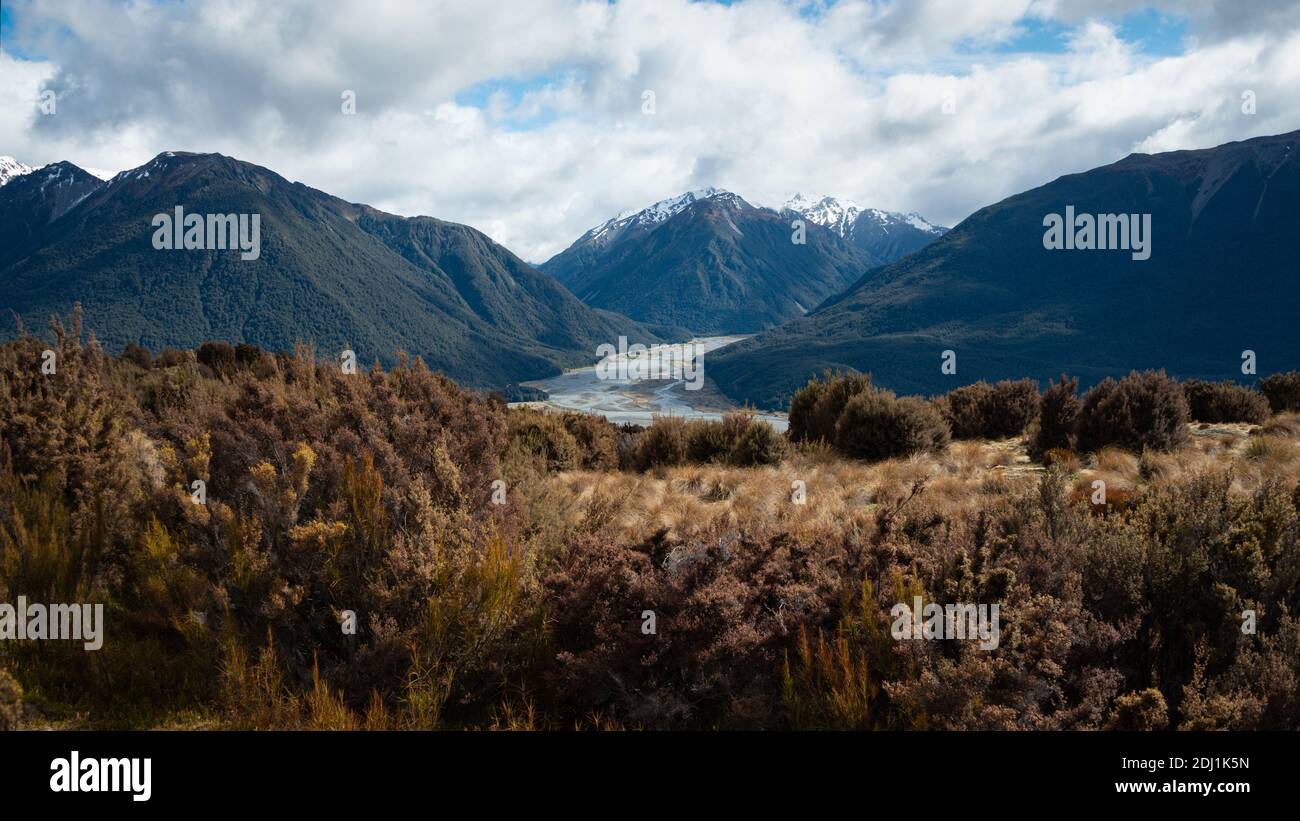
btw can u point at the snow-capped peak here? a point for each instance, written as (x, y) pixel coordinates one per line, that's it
(659, 212)
(837, 215)
(922, 224)
(10, 168)
(887, 218)
(841, 216)
(664, 209)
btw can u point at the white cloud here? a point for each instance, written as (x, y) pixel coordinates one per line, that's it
(452, 118)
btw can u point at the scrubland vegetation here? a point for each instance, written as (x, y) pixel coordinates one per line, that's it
(769, 562)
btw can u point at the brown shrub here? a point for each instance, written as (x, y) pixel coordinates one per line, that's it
(1117, 499)
(723, 609)
(170, 357)
(737, 439)
(246, 354)
(706, 441)
(1015, 404)
(1063, 458)
(751, 441)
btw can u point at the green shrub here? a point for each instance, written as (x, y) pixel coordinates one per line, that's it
(1282, 391)
(751, 441)
(816, 407)
(1224, 402)
(1143, 410)
(876, 424)
(706, 441)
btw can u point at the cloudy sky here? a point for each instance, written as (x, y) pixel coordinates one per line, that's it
(529, 119)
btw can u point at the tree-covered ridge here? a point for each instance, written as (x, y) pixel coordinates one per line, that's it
(331, 273)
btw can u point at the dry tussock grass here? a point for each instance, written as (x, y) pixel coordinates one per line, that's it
(698, 502)
(702, 502)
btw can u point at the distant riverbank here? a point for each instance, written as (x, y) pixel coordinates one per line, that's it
(638, 401)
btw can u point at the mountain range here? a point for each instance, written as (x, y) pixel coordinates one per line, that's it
(712, 262)
(1220, 280)
(338, 274)
(1000, 295)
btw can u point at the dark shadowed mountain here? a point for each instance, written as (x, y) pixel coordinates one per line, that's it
(885, 235)
(1221, 279)
(30, 201)
(708, 261)
(334, 273)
